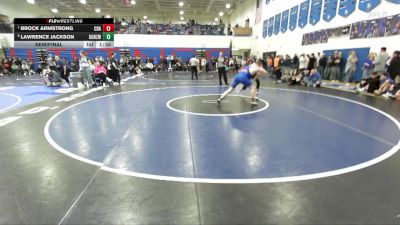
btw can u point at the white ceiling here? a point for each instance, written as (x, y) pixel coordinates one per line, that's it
(155, 10)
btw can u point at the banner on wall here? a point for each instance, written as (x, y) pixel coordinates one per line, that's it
(294, 11)
(270, 26)
(303, 15)
(392, 25)
(339, 31)
(315, 37)
(285, 21)
(394, 1)
(347, 7)
(330, 8)
(381, 27)
(368, 5)
(277, 25)
(265, 28)
(315, 12)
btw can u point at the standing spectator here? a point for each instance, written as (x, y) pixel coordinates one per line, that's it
(311, 62)
(351, 66)
(222, 69)
(368, 66)
(203, 64)
(380, 61)
(394, 66)
(295, 65)
(194, 62)
(84, 68)
(322, 63)
(277, 69)
(335, 68)
(113, 71)
(303, 62)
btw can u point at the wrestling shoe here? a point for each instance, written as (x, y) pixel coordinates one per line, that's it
(219, 100)
(253, 102)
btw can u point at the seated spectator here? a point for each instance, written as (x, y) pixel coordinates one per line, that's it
(313, 79)
(25, 68)
(385, 83)
(370, 84)
(149, 66)
(101, 72)
(298, 78)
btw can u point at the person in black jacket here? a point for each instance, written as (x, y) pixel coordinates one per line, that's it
(393, 68)
(370, 84)
(322, 63)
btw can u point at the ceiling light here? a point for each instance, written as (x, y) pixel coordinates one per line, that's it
(228, 5)
(30, 1)
(97, 10)
(181, 12)
(108, 16)
(182, 18)
(82, 1)
(221, 14)
(133, 2)
(180, 4)
(54, 10)
(216, 19)
(71, 17)
(145, 17)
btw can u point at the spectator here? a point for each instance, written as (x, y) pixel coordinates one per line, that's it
(369, 84)
(113, 69)
(277, 69)
(351, 66)
(100, 72)
(380, 61)
(385, 83)
(314, 79)
(311, 62)
(394, 66)
(84, 68)
(322, 63)
(303, 62)
(368, 66)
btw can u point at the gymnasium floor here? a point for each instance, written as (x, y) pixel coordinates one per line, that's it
(160, 150)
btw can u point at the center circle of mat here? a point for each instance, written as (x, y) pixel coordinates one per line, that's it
(302, 136)
(207, 105)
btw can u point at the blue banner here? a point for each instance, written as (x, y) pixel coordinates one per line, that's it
(315, 12)
(293, 17)
(277, 25)
(285, 21)
(270, 26)
(303, 15)
(330, 8)
(265, 28)
(368, 5)
(394, 1)
(347, 7)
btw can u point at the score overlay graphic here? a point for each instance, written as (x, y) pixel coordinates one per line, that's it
(64, 33)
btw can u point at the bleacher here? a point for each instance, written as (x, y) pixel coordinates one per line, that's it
(172, 29)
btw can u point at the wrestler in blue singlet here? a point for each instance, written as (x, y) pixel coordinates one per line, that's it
(243, 77)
